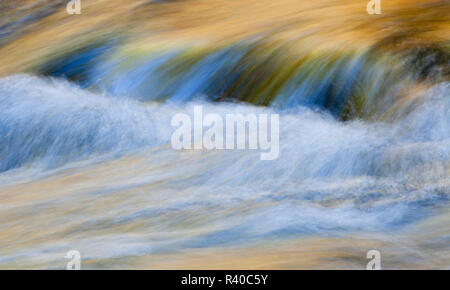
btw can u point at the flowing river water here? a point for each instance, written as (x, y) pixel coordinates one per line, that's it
(86, 161)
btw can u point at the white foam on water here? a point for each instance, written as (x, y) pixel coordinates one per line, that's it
(330, 177)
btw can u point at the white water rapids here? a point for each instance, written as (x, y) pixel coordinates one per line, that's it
(86, 171)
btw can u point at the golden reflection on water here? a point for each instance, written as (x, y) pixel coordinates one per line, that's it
(319, 24)
(82, 206)
(79, 207)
